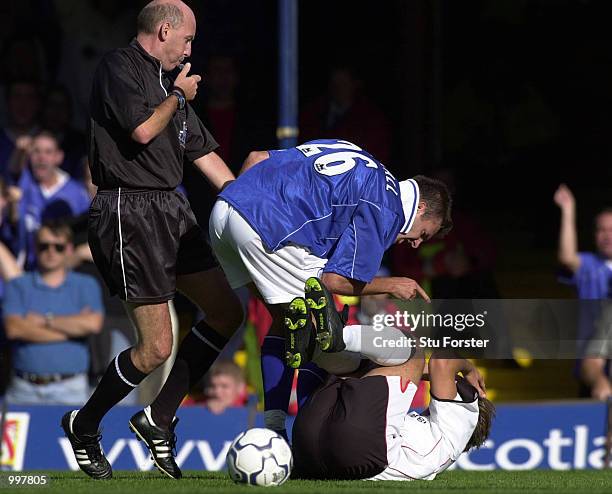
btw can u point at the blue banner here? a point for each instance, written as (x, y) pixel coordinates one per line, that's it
(527, 436)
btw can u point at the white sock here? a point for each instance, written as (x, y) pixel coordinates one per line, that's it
(369, 342)
(352, 338)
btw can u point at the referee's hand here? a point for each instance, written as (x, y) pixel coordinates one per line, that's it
(189, 84)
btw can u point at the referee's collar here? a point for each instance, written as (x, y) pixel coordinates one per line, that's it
(138, 47)
(409, 195)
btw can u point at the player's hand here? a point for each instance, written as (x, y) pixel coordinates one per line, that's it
(407, 289)
(564, 198)
(188, 83)
(474, 377)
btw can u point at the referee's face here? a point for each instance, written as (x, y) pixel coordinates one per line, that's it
(177, 46)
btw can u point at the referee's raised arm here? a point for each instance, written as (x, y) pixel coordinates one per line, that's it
(185, 88)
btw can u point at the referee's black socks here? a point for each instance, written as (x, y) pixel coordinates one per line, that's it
(120, 378)
(198, 350)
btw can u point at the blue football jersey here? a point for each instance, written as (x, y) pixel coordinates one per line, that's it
(329, 196)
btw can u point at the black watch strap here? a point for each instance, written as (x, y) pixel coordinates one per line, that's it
(180, 96)
(179, 89)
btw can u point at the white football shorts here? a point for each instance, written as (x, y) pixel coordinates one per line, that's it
(279, 276)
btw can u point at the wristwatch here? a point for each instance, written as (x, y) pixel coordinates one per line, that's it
(181, 98)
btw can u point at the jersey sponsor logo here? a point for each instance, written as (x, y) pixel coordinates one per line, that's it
(14, 440)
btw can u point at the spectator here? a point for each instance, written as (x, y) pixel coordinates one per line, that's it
(589, 272)
(23, 106)
(597, 358)
(48, 313)
(226, 387)
(57, 117)
(346, 113)
(48, 191)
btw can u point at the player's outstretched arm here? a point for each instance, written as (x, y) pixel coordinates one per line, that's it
(395, 286)
(568, 242)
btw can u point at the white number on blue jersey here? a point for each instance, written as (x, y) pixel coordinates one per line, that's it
(341, 162)
(312, 149)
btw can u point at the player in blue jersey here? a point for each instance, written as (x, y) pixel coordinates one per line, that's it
(324, 209)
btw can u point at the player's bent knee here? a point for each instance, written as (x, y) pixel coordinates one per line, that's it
(156, 354)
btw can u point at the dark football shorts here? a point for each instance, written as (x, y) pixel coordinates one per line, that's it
(340, 433)
(142, 239)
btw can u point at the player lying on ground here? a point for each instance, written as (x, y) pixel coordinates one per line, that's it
(360, 428)
(326, 208)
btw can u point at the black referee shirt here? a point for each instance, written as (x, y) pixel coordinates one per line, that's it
(128, 85)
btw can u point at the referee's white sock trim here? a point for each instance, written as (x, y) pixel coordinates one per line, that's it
(120, 374)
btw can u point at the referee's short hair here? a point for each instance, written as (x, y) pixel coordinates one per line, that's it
(155, 13)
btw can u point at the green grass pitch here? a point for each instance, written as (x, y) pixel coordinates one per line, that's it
(455, 482)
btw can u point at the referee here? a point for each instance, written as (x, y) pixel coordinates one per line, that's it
(143, 235)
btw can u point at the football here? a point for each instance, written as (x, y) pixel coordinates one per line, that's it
(259, 457)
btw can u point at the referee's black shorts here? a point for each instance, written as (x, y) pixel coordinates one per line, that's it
(340, 433)
(142, 239)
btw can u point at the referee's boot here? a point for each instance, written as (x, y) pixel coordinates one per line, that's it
(87, 450)
(330, 324)
(299, 334)
(160, 442)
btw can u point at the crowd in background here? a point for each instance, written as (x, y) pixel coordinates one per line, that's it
(60, 326)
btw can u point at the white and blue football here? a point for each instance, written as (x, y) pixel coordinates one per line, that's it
(259, 457)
